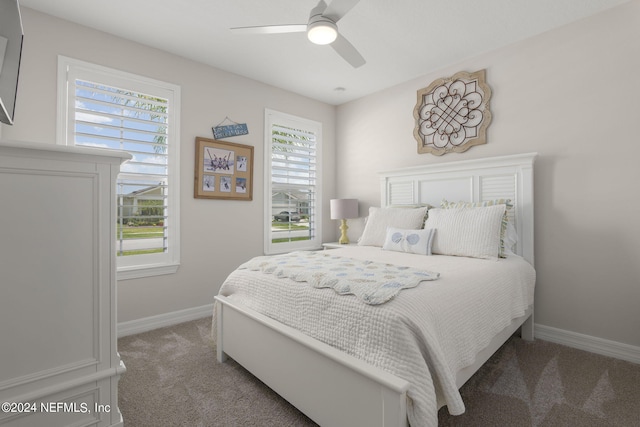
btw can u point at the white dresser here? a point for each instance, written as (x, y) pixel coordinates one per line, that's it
(59, 364)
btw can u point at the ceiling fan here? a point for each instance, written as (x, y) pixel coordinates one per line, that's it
(321, 29)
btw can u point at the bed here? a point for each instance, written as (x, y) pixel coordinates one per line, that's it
(416, 349)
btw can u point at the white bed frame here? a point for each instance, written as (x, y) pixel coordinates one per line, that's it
(336, 389)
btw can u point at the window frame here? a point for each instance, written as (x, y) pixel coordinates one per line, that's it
(134, 266)
(275, 117)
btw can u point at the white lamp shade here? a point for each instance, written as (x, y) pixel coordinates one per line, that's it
(344, 208)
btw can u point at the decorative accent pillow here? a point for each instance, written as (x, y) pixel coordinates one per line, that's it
(505, 219)
(471, 232)
(375, 230)
(510, 239)
(411, 241)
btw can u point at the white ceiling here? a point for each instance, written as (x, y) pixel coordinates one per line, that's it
(400, 39)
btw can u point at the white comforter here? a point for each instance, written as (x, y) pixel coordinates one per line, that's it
(424, 335)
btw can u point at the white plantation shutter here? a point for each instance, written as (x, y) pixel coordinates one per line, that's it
(110, 109)
(293, 173)
(137, 124)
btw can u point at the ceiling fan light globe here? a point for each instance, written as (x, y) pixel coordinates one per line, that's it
(322, 32)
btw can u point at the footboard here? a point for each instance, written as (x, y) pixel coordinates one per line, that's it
(330, 387)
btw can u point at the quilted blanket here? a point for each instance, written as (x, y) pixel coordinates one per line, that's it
(423, 335)
(372, 282)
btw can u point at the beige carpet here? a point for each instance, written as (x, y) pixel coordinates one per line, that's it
(173, 379)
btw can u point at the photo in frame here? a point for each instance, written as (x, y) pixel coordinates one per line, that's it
(223, 170)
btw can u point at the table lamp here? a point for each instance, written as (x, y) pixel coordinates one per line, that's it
(344, 209)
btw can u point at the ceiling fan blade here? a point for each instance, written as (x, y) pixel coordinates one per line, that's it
(338, 8)
(271, 29)
(348, 52)
(319, 9)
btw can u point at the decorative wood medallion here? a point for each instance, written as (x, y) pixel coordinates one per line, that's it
(452, 114)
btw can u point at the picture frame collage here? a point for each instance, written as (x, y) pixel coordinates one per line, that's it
(223, 170)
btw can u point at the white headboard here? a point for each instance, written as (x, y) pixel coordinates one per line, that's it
(508, 177)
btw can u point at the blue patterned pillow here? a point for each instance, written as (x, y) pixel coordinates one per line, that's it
(411, 241)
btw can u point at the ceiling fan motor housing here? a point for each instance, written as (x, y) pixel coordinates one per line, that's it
(321, 30)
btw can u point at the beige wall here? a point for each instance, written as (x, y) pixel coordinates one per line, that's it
(572, 96)
(216, 235)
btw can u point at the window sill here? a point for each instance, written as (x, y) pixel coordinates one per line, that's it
(127, 273)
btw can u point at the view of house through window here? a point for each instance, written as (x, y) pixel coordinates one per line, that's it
(293, 219)
(107, 111)
(137, 123)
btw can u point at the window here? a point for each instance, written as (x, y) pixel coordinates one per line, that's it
(106, 108)
(293, 190)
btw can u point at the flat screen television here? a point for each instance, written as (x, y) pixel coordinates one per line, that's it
(11, 35)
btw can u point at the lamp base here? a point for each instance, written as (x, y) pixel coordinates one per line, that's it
(344, 240)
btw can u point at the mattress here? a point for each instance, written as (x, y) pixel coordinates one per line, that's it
(424, 334)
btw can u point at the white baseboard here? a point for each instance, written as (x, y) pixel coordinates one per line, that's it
(588, 343)
(546, 333)
(160, 321)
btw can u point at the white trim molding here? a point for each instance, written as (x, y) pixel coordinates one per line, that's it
(72, 94)
(589, 343)
(146, 324)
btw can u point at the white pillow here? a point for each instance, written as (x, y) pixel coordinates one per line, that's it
(375, 230)
(411, 241)
(505, 218)
(471, 232)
